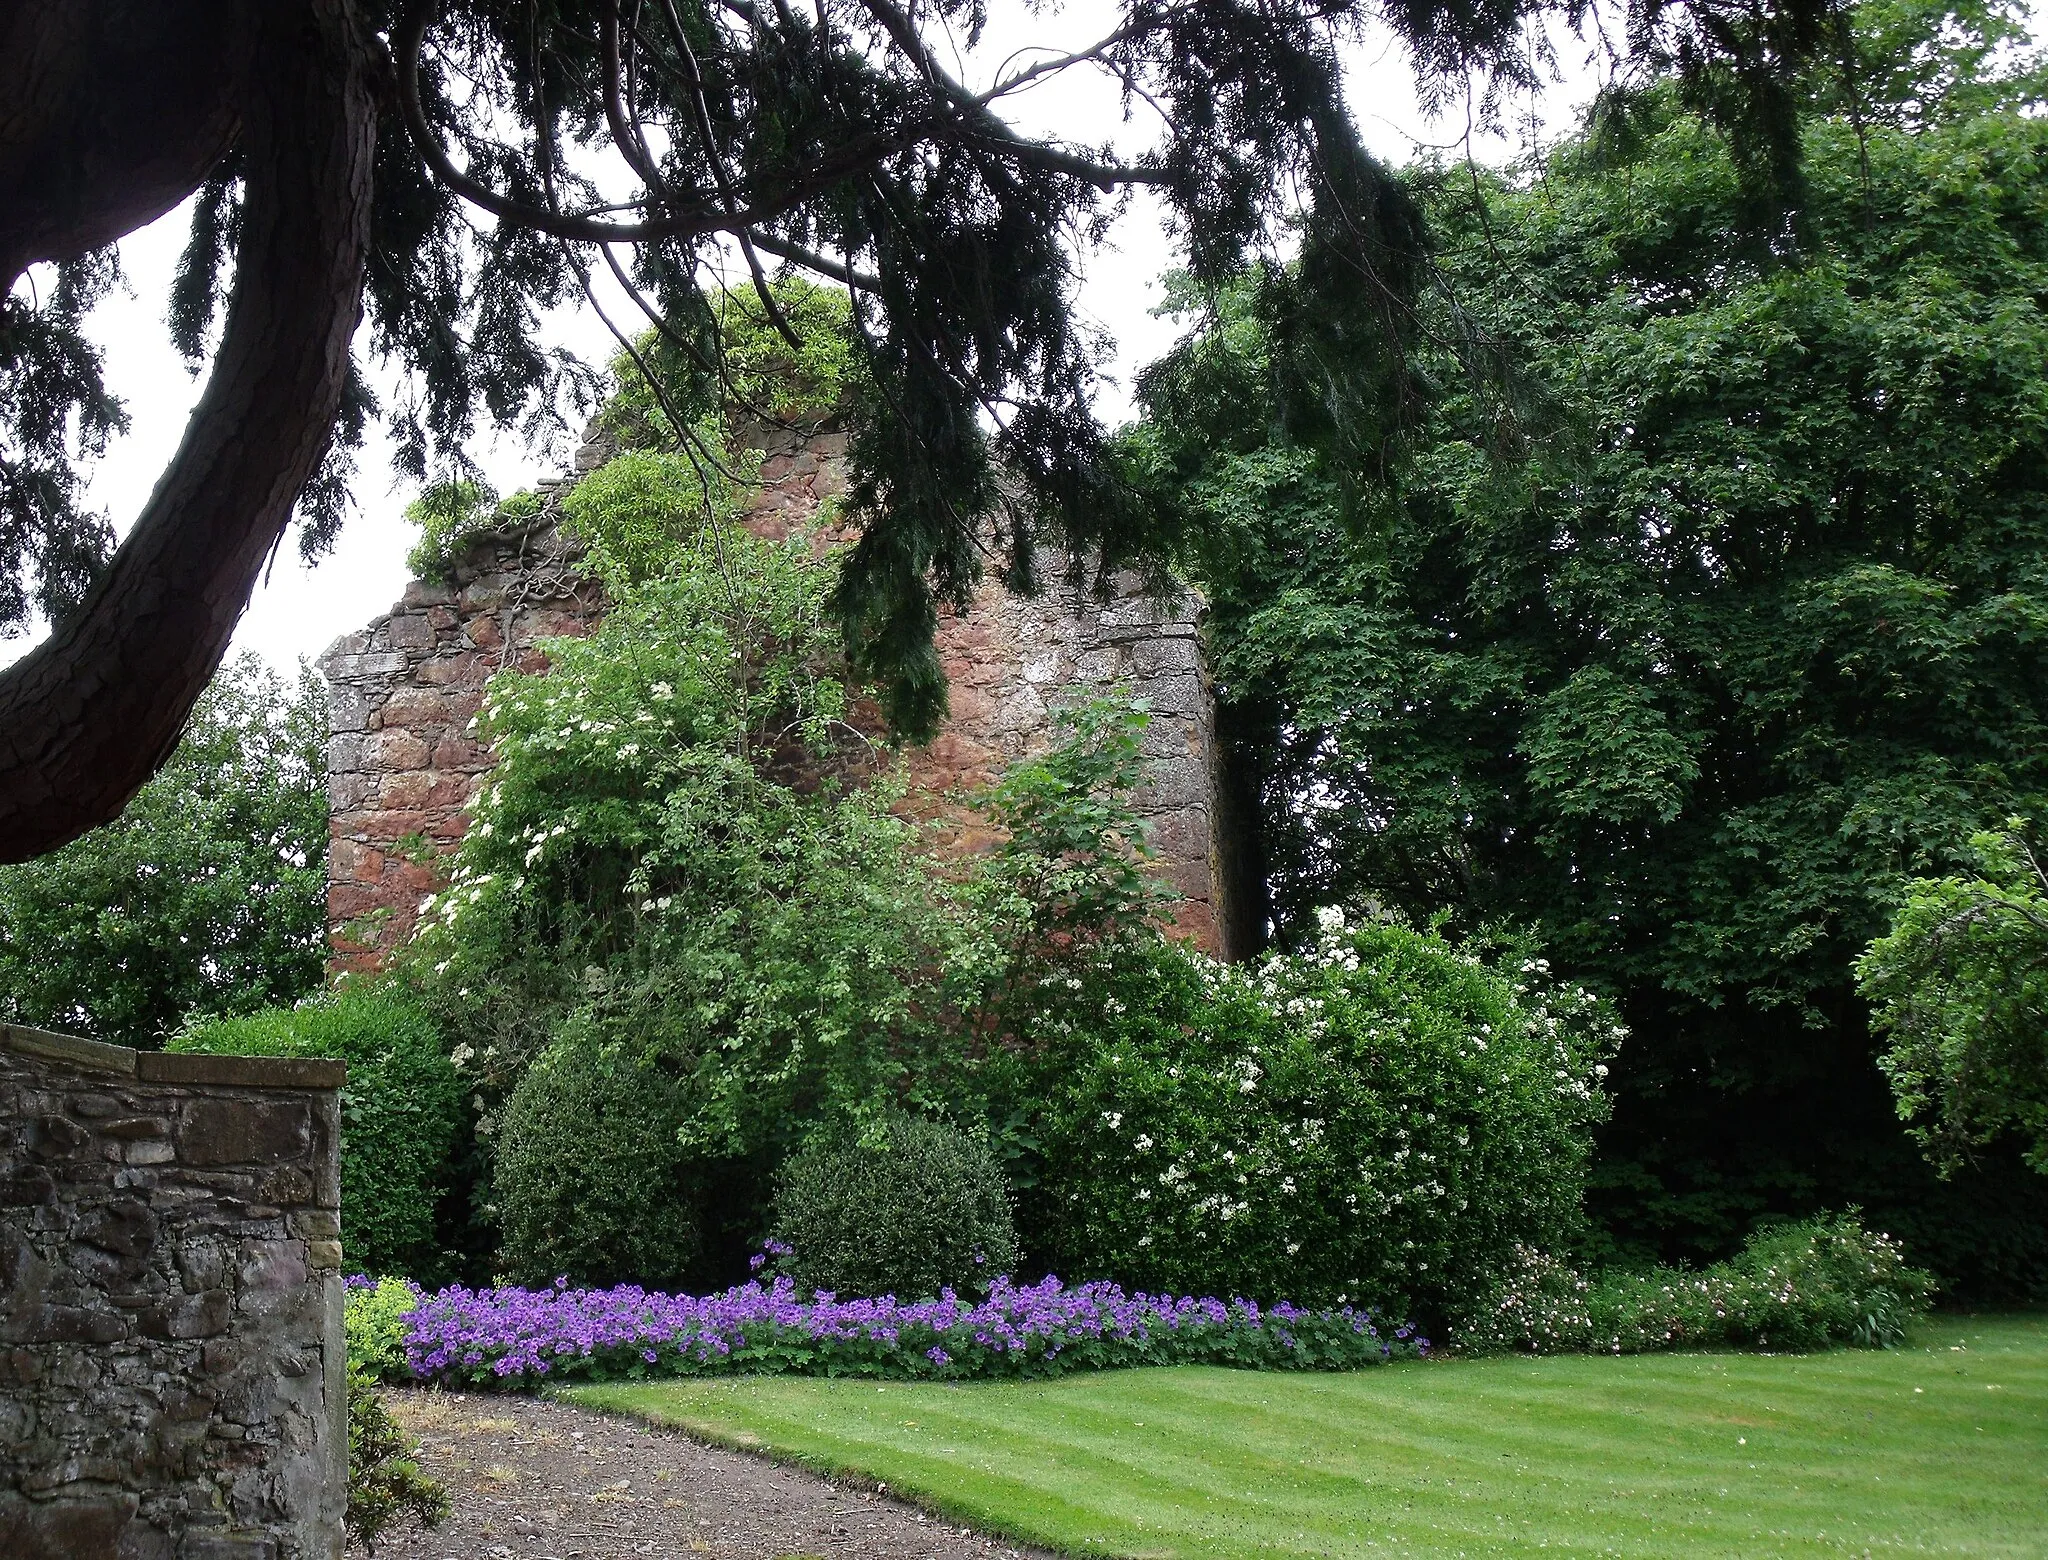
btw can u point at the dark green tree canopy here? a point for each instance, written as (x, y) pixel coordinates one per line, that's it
(1708, 610)
(457, 167)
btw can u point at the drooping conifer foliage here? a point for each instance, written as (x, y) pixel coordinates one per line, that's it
(1707, 615)
(457, 167)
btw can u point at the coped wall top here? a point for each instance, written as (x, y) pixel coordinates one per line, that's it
(252, 1072)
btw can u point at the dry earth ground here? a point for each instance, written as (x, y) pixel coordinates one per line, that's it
(533, 1480)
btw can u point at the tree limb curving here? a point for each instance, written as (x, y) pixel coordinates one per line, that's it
(111, 112)
(90, 714)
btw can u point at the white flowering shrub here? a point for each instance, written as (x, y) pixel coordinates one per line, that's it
(1798, 1286)
(1382, 1119)
(671, 848)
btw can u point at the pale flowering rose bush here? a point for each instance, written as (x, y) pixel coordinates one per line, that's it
(1809, 1285)
(685, 871)
(1380, 1119)
(512, 1336)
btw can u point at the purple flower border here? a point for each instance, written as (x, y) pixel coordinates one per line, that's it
(512, 1336)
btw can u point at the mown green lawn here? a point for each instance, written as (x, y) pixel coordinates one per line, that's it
(1941, 1448)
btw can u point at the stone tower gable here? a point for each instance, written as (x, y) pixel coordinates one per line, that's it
(403, 766)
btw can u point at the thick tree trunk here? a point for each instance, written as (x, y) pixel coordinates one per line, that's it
(111, 112)
(89, 715)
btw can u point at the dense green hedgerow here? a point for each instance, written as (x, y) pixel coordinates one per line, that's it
(591, 1181)
(401, 1111)
(1797, 1286)
(1382, 1120)
(914, 1208)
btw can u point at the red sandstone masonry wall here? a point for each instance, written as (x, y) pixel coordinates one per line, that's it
(402, 765)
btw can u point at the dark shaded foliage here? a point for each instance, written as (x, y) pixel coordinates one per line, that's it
(832, 139)
(1706, 614)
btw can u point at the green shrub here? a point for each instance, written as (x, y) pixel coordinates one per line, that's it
(401, 1111)
(384, 1486)
(452, 514)
(1797, 1286)
(643, 510)
(911, 1208)
(590, 1179)
(761, 375)
(1960, 986)
(372, 1323)
(1380, 1120)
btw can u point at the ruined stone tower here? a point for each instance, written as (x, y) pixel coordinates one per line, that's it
(403, 765)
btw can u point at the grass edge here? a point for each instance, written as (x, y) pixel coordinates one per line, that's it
(840, 1473)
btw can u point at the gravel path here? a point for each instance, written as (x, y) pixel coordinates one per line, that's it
(533, 1480)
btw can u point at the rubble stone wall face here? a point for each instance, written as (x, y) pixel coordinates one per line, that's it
(402, 766)
(172, 1364)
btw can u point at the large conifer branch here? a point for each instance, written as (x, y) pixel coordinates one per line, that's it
(88, 716)
(111, 112)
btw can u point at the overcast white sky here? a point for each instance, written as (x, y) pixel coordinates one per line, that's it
(300, 611)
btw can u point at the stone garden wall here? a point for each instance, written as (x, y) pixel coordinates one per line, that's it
(171, 1358)
(402, 765)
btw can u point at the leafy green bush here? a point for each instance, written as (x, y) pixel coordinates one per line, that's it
(372, 1324)
(763, 376)
(401, 1111)
(640, 510)
(1072, 878)
(207, 895)
(915, 1207)
(670, 848)
(385, 1487)
(1382, 1119)
(451, 514)
(1796, 1286)
(590, 1180)
(1960, 983)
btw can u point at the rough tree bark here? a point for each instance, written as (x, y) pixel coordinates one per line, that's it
(111, 112)
(89, 715)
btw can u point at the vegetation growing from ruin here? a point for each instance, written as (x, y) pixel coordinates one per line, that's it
(759, 374)
(453, 513)
(642, 508)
